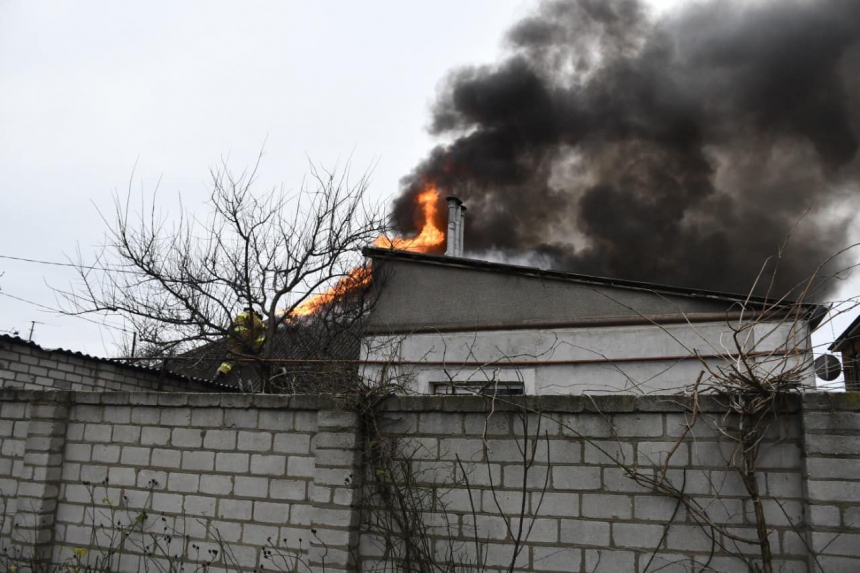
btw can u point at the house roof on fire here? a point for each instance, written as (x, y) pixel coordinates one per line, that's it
(303, 351)
(420, 292)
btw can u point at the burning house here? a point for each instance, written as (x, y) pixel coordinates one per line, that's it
(684, 150)
(441, 322)
(450, 324)
(714, 149)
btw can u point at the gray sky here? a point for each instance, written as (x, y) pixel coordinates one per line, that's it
(88, 89)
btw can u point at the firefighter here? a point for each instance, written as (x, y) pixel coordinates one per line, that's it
(247, 336)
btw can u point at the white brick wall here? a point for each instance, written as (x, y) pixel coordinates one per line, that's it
(13, 437)
(593, 517)
(192, 464)
(279, 468)
(831, 427)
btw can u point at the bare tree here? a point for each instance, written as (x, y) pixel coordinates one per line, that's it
(181, 282)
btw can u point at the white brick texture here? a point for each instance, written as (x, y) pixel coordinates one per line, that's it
(274, 470)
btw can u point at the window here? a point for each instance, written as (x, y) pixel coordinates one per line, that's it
(489, 388)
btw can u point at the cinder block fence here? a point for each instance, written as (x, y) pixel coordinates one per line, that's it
(264, 477)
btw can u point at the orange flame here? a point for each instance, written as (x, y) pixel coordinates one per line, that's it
(430, 238)
(358, 277)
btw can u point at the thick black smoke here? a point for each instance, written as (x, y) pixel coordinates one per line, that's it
(681, 151)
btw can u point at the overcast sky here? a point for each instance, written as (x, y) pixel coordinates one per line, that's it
(89, 89)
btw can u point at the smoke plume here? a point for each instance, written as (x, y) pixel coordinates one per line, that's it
(685, 151)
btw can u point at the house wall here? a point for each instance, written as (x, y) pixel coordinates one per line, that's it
(639, 359)
(27, 366)
(263, 469)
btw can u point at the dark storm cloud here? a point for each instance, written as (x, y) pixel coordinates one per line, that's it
(682, 151)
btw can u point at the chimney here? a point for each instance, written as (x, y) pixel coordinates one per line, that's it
(456, 214)
(460, 232)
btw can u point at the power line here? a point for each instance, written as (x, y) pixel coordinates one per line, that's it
(58, 311)
(42, 306)
(72, 265)
(103, 268)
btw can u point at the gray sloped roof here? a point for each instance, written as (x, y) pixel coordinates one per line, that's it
(440, 292)
(488, 266)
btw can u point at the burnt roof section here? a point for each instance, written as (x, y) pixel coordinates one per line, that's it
(814, 313)
(849, 334)
(113, 362)
(300, 349)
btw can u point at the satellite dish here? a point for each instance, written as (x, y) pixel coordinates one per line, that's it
(827, 367)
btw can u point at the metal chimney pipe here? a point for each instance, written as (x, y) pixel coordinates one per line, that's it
(454, 236)
(462, 224)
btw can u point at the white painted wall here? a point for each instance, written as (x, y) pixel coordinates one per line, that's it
(640, 359)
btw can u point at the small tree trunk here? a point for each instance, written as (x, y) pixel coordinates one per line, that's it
(748, 474)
